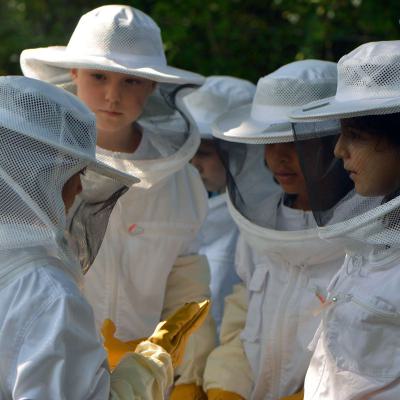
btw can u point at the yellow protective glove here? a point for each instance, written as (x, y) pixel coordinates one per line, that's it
(219, 394)
(115, 347)
(188, 391)
(173, 333)
(296, 396)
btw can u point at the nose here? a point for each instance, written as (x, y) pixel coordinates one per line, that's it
(340, 150)
(113, 93)
(280, 152)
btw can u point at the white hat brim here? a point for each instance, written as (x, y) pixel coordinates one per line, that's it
(103, 168)
(52, 63)
(238, 126)
(331, 108)
(100, 164)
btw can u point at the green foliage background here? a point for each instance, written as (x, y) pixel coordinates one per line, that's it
(244, 38)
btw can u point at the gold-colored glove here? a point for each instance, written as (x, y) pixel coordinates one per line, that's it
(296, 396)
(173, 334)
(115, 347)
(219, 394)
(188, 391)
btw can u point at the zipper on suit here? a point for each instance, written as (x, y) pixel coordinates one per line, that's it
(279, 332)
(111, 299)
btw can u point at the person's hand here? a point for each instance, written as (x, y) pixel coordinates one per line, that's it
(115, 347)
(219, 394)
(173, 333)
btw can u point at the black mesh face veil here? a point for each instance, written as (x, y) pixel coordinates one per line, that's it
(232, 156)
(163, 116)
(326, 179)
(249, 182)
(88, 225)
(368, 223)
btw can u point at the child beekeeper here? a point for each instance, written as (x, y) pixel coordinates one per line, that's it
(269, 319)
(148, 264)
(49, 345)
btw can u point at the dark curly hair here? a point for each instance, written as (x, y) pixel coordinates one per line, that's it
(385, 126)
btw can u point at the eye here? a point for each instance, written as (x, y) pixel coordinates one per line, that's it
(98, 76)
(83, 171)
(204, 153)
(133, 81)
(353, 134)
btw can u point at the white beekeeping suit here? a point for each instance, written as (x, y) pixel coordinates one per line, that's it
(270, 319)
(219, 233)
(49, 345)
(356, 348)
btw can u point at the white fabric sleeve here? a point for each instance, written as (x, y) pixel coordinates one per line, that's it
(61, 357)
(143, 375)
(189, 281)
(60, 354)
(227, 366)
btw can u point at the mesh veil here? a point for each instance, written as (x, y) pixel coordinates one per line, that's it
(249, 182)
(43, 143)
(89, 219)
(46, 136)
(365, 223)
(255, 202)
(162, 116)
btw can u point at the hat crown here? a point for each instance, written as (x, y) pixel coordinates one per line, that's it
(234, 91)
(290, 86)
(118, 33)
(297, 83)
(43, 112)
(372, 70)
(217, 95)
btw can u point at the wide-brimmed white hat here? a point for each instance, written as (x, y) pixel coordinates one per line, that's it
(266, 119)
(115, 38)
(218, 95)
(52, 116)
(368, 84)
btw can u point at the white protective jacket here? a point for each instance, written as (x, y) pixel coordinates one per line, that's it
(357, 344)
(49, 346)
(218, 237)
(148, 265)
(283, 267)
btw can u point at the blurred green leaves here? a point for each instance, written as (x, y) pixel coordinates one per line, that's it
(244, 38)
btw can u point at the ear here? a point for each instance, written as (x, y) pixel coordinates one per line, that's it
(74, 73)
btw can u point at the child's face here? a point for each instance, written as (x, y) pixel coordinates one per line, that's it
(116, 99)
(211, 169)
(282, 160)
(373, 164)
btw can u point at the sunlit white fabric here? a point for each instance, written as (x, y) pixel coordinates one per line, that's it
(218, 238)
(284, 272)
